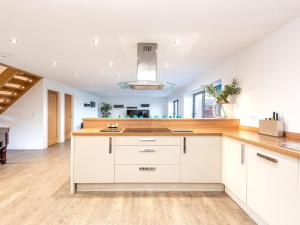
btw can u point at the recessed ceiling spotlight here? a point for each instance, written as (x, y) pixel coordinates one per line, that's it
(96, 41)
(111, 63)
(176, 42)
(14, 41)
(54, 63)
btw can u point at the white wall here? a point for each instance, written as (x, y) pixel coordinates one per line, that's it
(158, 106)
(269, 74)
(28, 117)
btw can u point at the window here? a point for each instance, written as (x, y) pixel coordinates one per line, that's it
(175, 108)
(204, 105)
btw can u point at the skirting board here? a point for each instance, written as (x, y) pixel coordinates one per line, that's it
(244, 206)
(150, 187)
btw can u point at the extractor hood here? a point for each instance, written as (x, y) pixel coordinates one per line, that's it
(146, 70)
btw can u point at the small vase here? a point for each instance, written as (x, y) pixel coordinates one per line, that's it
(226, 110)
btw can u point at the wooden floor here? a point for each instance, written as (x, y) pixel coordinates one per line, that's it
(34, 189)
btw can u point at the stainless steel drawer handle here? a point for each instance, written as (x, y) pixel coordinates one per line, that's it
(147, 168)
(267, 157)
(184, 145)
(243, 154)
(110, 145)
(147, 139)
(148, 150)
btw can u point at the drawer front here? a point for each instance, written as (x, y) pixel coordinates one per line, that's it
(147, 140)
(147, 173)
(147, 155)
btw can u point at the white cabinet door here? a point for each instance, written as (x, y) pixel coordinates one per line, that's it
(234, 167)
(201, 159)
(93, 159)
(271, 186)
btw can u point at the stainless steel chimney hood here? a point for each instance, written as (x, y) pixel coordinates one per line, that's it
(146, 70)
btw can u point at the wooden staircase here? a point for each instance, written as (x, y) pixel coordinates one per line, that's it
(13, 84)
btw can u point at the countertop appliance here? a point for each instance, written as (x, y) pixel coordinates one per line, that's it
(147, 130)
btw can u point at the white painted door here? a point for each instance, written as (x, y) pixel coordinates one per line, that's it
(201, 159)
(271, 186)
(93, 159)
(234, 167)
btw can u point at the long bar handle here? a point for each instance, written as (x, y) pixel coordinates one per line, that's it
(267, 157)
(110, 145)
(184, 145)
(147, 139)
(242, 154)
(147, 150)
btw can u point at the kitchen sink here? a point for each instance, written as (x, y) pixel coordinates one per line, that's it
(147, 130)
(291, 145)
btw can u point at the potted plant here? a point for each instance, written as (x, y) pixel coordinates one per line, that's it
(105, 110)
(222, 96)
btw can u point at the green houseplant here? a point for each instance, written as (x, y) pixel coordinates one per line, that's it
(105, 110)
(222, 96)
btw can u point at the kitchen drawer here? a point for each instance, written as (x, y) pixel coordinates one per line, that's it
(147, 155)
(147, 140)
(147, 173)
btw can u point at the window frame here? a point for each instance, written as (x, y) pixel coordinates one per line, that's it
(203, 93)
(175, 102)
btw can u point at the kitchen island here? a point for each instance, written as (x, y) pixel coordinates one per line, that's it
(253, 169)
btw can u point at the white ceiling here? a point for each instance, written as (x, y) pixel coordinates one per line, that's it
(62, 30)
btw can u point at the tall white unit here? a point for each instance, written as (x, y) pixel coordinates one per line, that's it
(201, 159)
(93, 159)
(234, 168)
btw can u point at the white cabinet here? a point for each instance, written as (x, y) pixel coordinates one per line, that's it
(201, 159)
(272, 186)
(234, 167)
(93, 159)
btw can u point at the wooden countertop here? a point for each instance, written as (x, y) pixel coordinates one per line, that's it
(270, 143)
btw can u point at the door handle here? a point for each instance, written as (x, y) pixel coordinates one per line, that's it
(110, 145)
(242, 154)
(184, 145)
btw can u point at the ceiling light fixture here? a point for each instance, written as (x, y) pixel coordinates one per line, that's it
(54, 63)
(76, 75)
(14, 41)
(111, 63)
(95, 41)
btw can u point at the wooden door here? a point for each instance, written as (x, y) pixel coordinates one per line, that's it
(52, 118)
(201, 159)
(68, 116)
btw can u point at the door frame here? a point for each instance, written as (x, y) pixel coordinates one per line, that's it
(57, 117)
(72, 112)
